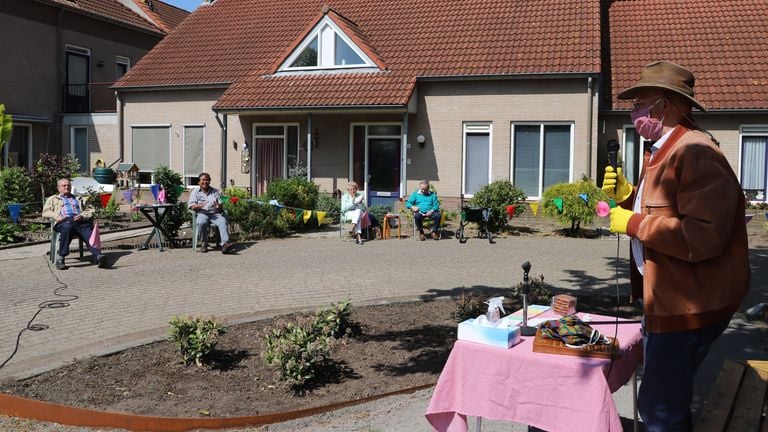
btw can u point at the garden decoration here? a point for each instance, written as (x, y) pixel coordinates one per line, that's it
(155, 188)
(511, 210)
(585, 197)
(602, 209)
(105, 199)
(535, 208)
(559, 204)
(15, 210)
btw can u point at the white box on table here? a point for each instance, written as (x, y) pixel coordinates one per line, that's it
(505, 335)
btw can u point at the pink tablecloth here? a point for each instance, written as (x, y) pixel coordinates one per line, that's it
(549, 391)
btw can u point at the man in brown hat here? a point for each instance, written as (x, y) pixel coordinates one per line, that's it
(689, 253)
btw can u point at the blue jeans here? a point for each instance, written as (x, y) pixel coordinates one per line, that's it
(418, 219)
(68, 228)
(217, 219)
(669, 365)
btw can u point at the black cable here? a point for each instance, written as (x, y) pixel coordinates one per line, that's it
(48, 304)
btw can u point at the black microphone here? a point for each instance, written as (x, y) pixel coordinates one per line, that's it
(613, 151)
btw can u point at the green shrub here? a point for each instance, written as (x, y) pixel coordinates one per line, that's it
(15, 187)
(335, 320)
(195, 338)
(237, 192)
(9, 232)
(169, 180)
(539, 292)
(469, 306)
(296, 351)
(294, 192)
(254, 220)
(110, 211)
(378, 211)
(497, 196)
(575, 211)
(329, 205)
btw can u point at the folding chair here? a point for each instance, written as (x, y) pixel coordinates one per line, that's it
(196, 235)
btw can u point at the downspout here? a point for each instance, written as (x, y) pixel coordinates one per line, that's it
(223, 125)
(309, 147)
(121, 125)
(589, 127)
(404, 153)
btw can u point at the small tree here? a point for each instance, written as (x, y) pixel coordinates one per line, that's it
(169, 180)
(14, 187)
(48, 169)
(564, 202)
(497, 196)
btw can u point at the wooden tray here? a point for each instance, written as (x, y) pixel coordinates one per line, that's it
(550, 346)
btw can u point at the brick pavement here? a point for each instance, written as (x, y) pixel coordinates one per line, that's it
(130, 303)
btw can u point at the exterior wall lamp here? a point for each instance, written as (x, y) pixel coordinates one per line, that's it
(421, 140)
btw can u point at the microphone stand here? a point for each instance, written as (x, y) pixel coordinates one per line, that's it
(525, 330)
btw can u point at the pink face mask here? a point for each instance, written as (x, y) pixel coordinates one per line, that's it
(647, 126)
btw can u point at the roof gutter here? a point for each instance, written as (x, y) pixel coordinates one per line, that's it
(485, 77)
(223, 125)
(163, 87)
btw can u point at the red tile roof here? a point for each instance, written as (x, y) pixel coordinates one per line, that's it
(239, 41)
(724, 43)
(166, 17)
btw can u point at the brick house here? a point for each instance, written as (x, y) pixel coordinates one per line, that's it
(388, 93)
(61, 57)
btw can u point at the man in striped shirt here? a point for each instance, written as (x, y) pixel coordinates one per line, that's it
(73, 217)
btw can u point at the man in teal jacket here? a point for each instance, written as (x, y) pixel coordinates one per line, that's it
(424, 203)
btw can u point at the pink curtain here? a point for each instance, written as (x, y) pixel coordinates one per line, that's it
(269, 162)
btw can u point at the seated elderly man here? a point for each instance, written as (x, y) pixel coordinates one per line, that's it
(205, 201)
(73, 217)
(423, 203)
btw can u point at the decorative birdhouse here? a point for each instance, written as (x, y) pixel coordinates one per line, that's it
(127, 175)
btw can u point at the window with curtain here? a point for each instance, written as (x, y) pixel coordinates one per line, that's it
(276, 149)
(151, 147)
(477, 154)
(193, 153)
(753, 166)
(541, 156)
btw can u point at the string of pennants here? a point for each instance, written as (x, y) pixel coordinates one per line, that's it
(602, 208)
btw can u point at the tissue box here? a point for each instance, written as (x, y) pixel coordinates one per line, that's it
(501, 336)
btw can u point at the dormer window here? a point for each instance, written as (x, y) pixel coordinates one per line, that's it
(326, 47)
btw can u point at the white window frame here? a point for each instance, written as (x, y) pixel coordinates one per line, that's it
(170, 146)
(325, 54)
(759, 130)
(640, 150)
(7, 146)
(121, 60)
(368, 136)
(184, 151)
(475, 127)
(84, 167)
(542, 125)
(284, 136)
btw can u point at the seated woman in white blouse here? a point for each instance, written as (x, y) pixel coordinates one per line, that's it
(352, 209)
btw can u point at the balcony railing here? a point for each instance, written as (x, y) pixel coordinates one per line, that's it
(89, 98)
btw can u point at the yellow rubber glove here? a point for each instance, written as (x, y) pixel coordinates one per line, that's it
(615, 185)
(620, 219)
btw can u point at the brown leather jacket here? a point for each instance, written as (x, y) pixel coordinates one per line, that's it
(694, 236)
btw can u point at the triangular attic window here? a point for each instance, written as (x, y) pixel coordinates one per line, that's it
(326, 47)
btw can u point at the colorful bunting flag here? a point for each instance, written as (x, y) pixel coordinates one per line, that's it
(511, 210)
(559, 204)
(180, 190)
(95, 240)
(128, 195)
(161, 196)
(105, 199)
(299, 215)
(612, 203)
(234, 200)
(155, 189)
(585, 197)
(320, 217)
(535, 208)
(307, 215)
(15, 210)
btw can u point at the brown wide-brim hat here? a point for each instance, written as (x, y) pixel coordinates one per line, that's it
(667, 76)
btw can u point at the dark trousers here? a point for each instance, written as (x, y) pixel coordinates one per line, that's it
(69, 228)
(418, 219)
(669, 365)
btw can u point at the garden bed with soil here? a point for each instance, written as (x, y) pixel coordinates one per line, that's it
(400, 346)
